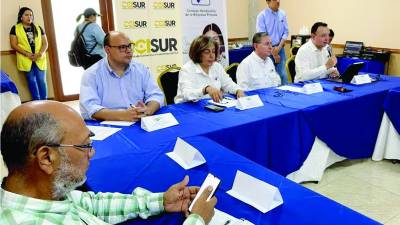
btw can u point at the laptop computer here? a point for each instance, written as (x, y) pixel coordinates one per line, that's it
(349, 73)
(353, 48)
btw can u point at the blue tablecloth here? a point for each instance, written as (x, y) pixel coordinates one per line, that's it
(280, 134)
(273, 136)
(370, 66)
(237, 55)
(7, 84)
(155, 171)
(392, 107)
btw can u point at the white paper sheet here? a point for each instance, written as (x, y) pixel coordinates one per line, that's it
(290, 88)
(117, 123)
(222, 218)
(102, 133)
(225, 102)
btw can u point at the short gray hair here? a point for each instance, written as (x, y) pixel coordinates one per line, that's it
(258, 36)
(23, 136)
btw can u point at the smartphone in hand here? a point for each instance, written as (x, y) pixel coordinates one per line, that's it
(210, 180)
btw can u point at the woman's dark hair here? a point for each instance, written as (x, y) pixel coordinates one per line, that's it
(214, 27)
(199, 45)
(19, 19)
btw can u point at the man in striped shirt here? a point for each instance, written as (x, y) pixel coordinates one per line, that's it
(46, 147)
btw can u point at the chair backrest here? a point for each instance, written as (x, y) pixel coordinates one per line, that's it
(294, 50)
(231, 71)
(291, 68)
(168, 82)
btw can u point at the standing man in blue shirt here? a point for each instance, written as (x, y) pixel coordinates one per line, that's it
(273, 21)
(117, 87)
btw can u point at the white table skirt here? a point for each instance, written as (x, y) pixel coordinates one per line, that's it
(8, 102)
(321, 156)
(388, 142)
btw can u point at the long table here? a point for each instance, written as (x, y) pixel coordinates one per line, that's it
(280, 134)
(125, 167)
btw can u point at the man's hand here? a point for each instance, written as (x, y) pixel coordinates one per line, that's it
(130, 114)
(331, 62)
(240, 93)
(334, 74)
(205, 208)
(214, 93)
(178, 196)
(276, 50)
(277, 58)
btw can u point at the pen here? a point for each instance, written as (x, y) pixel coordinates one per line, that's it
(132, 106)
(227, 222)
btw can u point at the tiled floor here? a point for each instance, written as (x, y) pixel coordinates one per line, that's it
(371, 188)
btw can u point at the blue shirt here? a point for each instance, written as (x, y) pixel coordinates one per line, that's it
(93, 34)
(274, 23)
(102, 88)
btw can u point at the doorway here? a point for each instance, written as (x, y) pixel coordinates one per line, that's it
(60, 24)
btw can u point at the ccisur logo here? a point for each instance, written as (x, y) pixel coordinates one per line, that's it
(164, 23)
(133, 5)
(163, 5)
(155, 46)
(135, 24)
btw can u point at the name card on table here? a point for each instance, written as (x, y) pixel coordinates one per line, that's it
(361, 79)
(312, 88)
(255, 192)
(248, 102)
(186, 155)
(156, 122)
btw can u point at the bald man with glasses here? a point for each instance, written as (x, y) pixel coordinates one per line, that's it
(46, 147)
(117, 87)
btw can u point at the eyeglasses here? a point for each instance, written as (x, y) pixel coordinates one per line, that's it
(84, 148)
(123, 48)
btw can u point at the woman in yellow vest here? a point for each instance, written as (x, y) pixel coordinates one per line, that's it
(30, 43)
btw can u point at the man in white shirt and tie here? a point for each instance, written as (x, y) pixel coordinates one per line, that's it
(315, 60)
(257, 70)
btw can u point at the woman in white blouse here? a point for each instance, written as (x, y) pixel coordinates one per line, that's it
(202, 76)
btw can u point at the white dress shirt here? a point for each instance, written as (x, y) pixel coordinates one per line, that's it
(193, 80)
(256, 73)
(310, 62)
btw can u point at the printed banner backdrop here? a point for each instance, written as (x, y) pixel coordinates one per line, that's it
(205, 17)
(154, 28)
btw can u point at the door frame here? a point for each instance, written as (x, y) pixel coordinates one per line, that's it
(107, 23)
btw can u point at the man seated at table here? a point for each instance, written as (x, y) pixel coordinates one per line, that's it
(46, 147)
(257, 70)
(118, 88)
(313, 60)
